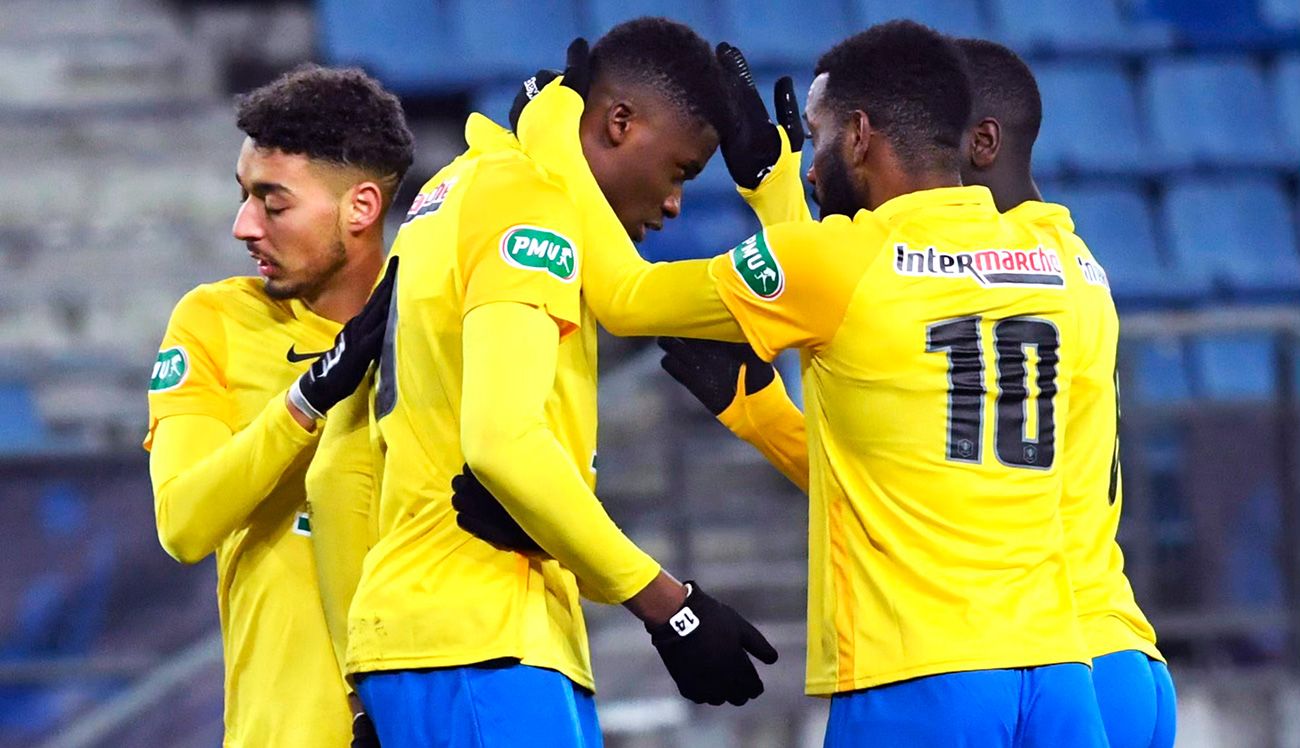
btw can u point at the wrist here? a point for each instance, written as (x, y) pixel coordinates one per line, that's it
(304, 420)
(658, 601)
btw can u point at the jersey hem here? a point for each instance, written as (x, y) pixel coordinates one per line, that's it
(825, 688)
(383, 664)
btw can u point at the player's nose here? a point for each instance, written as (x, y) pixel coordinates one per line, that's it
(672, 206)
(248, 223)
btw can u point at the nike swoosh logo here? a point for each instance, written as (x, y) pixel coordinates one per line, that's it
(295, 357)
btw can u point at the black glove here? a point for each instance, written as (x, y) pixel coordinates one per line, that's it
(706, 647)
(577, 75)
(338, 372)
(750, 145)
(480, 514)
(363, 731)
(709, 369)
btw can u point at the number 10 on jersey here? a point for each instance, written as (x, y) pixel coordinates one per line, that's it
(1013, 339)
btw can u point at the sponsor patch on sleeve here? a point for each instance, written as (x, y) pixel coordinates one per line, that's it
(988, 267)
(1093, 272)
(543, 250)
(170, 370)
(758, 268)
(427, 203)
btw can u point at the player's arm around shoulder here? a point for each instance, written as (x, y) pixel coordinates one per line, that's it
(207, 473)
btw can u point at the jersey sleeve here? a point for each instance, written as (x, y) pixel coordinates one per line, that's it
(520, 242)
(773, 425)
(189, 375)
(788, 286)
(780, 198)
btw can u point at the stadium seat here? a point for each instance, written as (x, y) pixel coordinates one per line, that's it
(1154, 371)
(1288, 91)
(1216, 111)
(1090, 121)
(504, 40)
(956, 17)
(1281, 14)
(1116, 223)
(494, 101)
(783, 34)
(1234, 367)
(1069, 26)
(705, 18)
(407, 44)
(1238, 235)
(21, 428)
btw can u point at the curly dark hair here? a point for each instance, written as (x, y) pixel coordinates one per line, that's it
(337, 115)
(1003, 87)
(670, 58)
(911, 81)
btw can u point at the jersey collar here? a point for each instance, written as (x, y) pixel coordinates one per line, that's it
(1047, 214)
(974, 196)
(483, 135)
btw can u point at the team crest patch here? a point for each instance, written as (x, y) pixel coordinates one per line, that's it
(170, 370)
(427, 203)
(988, 267)
(757, 267)
(534, 248)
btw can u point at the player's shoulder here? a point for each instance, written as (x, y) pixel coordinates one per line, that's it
(209, 302)
(509, 179)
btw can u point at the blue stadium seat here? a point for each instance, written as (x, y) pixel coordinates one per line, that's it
(1090, 121)
(1281, 14)
(1288, 90)
(956, 17)
(707, 227)
(1238, 235)
(1234, 367)
(783, 34)
(494, 101)
(21, 428)
(1117, 225)
(1074, 26)
(406, 43)
(505, 40)
(705, 18)
(1154, 371)
(1216, 111)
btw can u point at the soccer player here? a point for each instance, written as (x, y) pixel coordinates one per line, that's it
(1134, 688)
(247, 367)
(492, 362)
(939, 348)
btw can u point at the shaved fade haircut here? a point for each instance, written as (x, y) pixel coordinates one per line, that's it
(1003, 88)
(338, 116)
(669, 58)
(911, 82)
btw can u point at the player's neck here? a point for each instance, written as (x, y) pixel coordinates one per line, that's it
(347, 291)
(1013, 187)
(900, 183)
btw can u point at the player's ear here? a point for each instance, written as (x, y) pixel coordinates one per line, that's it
(859, 135)
(363, 206)
(618, 120)
(985, 142)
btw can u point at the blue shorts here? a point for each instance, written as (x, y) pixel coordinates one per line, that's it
(1049, 706)
(479, 707)
(1137, 700)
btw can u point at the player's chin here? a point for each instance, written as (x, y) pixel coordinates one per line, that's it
(281, 288)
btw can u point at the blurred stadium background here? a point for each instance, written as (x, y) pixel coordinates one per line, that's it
(1172, 130)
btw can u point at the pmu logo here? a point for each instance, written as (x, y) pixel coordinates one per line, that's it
(988, 267)
(426, 203)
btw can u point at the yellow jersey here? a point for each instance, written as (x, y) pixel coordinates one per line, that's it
(1093, 496)
(490, 227)
(940, 344)
(229, 353)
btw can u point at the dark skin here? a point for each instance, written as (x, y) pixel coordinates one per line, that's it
(642, 151)
(998, 158)
(860, 166)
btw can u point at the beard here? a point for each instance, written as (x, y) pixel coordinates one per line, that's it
(334, 259)
(836, 194)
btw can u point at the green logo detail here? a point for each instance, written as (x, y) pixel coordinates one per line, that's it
(758, 268)
(533, 248)
(170, 370)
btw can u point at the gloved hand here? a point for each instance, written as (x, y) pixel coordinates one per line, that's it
(337, 373)
(751, 145)
(706, 648)
(711, 369)
(480, 514)
(577, 75)
(363, 731)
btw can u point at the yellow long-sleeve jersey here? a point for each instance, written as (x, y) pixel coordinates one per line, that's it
(492, 361)
(228, 462)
